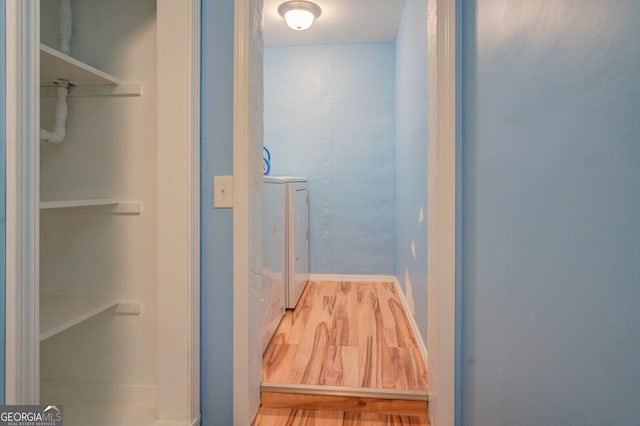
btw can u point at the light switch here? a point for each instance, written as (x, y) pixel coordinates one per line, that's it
(223, 192)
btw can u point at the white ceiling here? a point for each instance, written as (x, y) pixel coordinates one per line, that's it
(341, 21)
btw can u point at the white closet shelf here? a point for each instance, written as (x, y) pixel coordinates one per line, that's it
(55, 65)
(119, 206)
(60, 312)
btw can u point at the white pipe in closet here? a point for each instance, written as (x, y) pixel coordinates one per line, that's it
(59, 131)
(65, 26)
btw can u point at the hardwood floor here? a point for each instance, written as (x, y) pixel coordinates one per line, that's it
(350, 334)
(288, 417)
(345, 356)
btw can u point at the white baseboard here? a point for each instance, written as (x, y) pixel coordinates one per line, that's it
(380, 279)
(412, 322)
(352, 278)
(98, 392)
(119, 397)
(103, 404)
(160, 422)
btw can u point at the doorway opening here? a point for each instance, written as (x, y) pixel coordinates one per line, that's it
(347, 109)
(440, 208)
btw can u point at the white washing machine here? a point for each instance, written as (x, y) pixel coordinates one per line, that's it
(295, 217)
(297, 245)
(273, 253)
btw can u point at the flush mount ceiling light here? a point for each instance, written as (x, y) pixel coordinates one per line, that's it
(299, 15)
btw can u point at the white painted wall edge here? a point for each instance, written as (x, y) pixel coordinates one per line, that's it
(22, 362)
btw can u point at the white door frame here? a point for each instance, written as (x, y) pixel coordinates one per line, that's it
(22, 131)
(178, 210)
(245, 392)
(441, 212)
(180, 87)
(441, 217)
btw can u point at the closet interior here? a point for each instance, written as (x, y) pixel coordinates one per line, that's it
(98, 224)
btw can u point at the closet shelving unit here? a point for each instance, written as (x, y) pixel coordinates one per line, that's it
(61, 312)
(110, 302)
(88, 81)
(115, 287)
(116, 206)
(55, 64)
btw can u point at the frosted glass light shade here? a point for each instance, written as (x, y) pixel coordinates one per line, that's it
(299, 19)
(299, 15)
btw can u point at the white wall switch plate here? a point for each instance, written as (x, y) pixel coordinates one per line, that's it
(223, 192)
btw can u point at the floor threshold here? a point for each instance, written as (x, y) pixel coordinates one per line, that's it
(345, 391)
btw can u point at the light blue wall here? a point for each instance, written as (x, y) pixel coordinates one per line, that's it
(411, 157)
(551, 212)
(3, 215)
(329, 115)
(217, 238)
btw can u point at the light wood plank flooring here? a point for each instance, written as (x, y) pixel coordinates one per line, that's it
(351, 334)
(288, 417)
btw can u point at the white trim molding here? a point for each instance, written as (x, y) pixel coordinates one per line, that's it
(178, 207)
(194, 279)
(22, 124)
(241, 205)
(247, 207)
(412, 323)
(441, 213)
